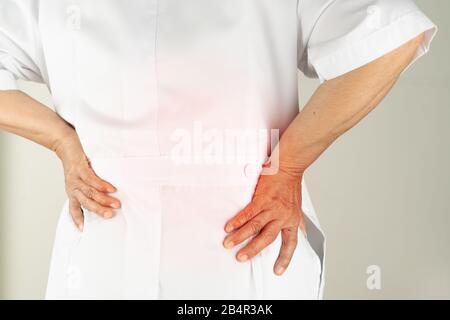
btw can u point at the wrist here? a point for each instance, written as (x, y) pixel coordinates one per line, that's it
(292, 170)
(67, 144)
(286, 169)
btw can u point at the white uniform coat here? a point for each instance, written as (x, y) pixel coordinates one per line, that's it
(154, 88)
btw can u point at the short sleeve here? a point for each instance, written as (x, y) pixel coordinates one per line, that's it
(20, 49)
(338, 36)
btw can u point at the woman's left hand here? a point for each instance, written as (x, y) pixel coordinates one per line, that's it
(275, 208)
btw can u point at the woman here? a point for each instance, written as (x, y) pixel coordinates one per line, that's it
(167, 120)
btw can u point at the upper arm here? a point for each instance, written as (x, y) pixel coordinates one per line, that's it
(20, 48)
(338, 36)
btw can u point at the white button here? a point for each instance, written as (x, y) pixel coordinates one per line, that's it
(250, 170)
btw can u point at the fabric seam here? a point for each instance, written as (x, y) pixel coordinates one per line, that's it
(374, 34)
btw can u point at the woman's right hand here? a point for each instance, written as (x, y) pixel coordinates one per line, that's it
(83, 187)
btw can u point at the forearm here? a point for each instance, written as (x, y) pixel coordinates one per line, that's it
(22, 115)
(338, 105)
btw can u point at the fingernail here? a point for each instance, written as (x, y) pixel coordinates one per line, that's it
(228, 228)
(279, 270)
(80, 226)
(242, 257)
(229, 244)
(115, 205)
(108, 214)
(111, 189)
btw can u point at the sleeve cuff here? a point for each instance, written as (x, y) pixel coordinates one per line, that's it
(7, 81)
(384, 40)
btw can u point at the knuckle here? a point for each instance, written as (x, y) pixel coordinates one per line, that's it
(255, 226)
(91, 193)
(241, 219)
(247, 214)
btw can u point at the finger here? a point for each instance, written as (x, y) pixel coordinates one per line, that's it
(89, 177)
(92, 206)
(98, 196)
(76, 213)
(261, 241)
(250, 229)
(245, 215)
(288, 246)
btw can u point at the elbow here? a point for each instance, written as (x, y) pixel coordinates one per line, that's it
(390, 66)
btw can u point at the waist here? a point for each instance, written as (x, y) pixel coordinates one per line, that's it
(167, 170)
